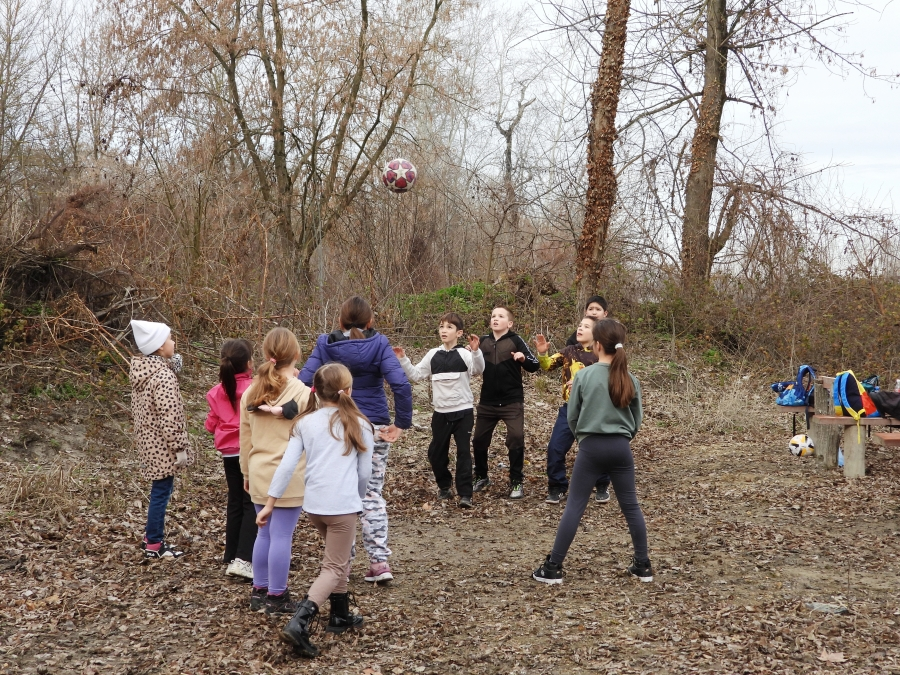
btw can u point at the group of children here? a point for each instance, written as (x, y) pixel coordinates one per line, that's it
(316, 441)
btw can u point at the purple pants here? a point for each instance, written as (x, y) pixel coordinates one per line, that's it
(272, 550)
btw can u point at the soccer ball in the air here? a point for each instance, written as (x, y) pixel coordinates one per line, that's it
(399, 175)
(801, 445)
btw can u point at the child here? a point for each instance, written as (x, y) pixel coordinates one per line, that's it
(572, 360)
(337, 441)
(160, 429)
(597, 308)
(371, 361)
(264, 438)
(224, 422)
(502, 398)
(450, 368)
(604, 414)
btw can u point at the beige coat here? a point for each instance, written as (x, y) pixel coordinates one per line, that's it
(160, 429)
(264, 439)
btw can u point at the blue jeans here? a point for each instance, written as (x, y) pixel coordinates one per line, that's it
(156, 512)
(561, 440)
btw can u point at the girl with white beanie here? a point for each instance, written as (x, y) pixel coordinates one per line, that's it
(160, 428)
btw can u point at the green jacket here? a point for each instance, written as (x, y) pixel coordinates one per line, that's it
(592, 412)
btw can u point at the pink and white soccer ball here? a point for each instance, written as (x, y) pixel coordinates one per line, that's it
(399, 175)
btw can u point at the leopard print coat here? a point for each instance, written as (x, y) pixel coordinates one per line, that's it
(160, 428)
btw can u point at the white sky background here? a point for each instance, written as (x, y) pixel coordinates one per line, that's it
(844, 121)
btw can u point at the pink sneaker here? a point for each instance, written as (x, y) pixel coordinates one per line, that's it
(379, 572)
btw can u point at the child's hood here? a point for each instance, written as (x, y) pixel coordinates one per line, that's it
(144, 369)
(357, 353)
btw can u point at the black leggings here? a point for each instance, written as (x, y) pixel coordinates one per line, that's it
(597, 455)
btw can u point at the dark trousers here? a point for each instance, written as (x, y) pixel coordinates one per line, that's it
(513, 416)
(599, 454)
(240, 516)
(160, 493)
(561, 440)
(457, 425)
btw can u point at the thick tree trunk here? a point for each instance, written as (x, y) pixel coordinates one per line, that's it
(601, 192)
(697, 247)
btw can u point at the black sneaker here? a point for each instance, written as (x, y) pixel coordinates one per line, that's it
(445, 493)
(481, 484)
(465, 502)
(516, 491)
(258, 599)
(164, 551)
(280, 604)
(549, 572)
(641, 569)
(602, 495)
(555, 495)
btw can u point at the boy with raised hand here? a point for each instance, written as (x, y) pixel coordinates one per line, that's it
(450, 368)
(502, 399)
(597, 308)
(571, 359)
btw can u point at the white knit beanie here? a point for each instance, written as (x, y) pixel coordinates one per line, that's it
(149, 335)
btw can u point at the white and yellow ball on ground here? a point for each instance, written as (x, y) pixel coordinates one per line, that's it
(801, 445)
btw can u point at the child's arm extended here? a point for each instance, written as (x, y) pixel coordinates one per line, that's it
(528, 362)
(313, 363)
(283, 475)
(418, 372)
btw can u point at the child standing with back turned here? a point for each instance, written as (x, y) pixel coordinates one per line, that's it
(224, 422)
(160, 428)
(450, 368)
(571, 360)
(604, 413)
(502, 399)
(337, 441)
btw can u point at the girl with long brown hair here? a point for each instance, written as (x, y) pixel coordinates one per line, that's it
(264, 438)
(224, 422)
(337, 441)
(604, 413)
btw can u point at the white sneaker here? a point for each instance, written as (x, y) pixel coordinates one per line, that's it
(240, 568)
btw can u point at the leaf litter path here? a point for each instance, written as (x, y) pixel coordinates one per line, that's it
(742, 536)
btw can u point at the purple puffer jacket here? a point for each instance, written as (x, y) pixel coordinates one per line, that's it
(371, 361)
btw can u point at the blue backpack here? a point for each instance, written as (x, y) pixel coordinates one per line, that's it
(799, 392)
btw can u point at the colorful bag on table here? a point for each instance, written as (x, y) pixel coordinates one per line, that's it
(850, 398)
(799, 392)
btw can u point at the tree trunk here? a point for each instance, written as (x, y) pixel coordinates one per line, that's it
(696, 244)
(601, 192)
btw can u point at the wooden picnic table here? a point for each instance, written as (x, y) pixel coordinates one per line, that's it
(829, 431)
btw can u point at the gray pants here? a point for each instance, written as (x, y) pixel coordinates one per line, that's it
(598, 455)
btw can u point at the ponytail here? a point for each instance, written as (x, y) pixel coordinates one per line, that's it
(610, 334)
(234, 358)
(332, 383)
(280, 348)
(356, 315)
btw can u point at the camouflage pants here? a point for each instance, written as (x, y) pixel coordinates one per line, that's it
(374, 516)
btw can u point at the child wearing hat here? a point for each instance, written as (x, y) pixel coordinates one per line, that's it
(160, 429)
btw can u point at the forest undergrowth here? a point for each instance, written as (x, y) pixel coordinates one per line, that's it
(744, 538)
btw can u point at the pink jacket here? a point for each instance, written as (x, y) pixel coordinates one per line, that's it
(223, 421)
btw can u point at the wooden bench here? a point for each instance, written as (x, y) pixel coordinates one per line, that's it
(829, 431)
(888, 440)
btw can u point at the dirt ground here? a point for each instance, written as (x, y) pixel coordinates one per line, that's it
(743, 538)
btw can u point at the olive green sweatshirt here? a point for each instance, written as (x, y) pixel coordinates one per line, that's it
(592, 412)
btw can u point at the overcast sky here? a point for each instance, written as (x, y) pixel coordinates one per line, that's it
(850, 121)
(847, 120)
